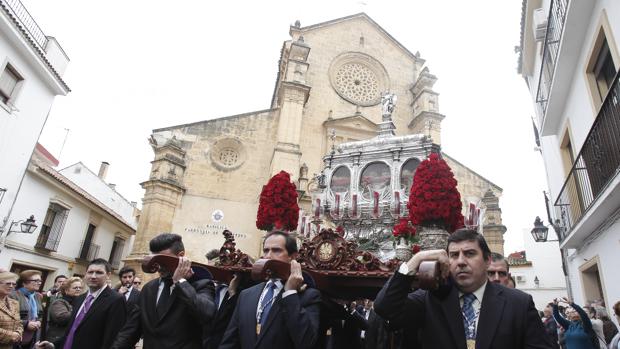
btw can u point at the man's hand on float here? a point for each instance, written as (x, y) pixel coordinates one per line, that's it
(439, 256)
(44, 345)
(295, 280)
(233, 286)
(183, 270)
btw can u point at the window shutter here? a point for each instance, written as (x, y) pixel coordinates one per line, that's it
(8, 81)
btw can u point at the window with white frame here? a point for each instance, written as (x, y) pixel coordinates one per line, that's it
(9, 84)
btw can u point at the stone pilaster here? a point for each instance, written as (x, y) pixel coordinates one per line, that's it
(163, 193)
(426, 117)
(292, 95)
(493, 229)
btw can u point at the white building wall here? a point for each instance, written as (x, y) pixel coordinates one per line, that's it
(35, 196)
(606, 247)
(577, 115)
(547, 266)
(20, 128)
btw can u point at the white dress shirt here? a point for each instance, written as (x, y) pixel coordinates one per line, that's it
(128, 293)
(94, 294)
(477, 303)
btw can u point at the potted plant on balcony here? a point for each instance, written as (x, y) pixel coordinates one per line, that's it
(434, 203)
(277, 208)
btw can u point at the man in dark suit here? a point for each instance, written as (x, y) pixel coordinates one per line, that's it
(468, 312)
(225, 300)
(97, 316)
(127, 290)
(172, 309)
(343, 325)
(272, 314)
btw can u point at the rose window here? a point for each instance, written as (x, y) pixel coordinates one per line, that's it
(357, 83)
(229, 157)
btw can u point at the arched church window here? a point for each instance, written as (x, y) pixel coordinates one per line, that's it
(341, 180)
(406, 174)
(376, 177)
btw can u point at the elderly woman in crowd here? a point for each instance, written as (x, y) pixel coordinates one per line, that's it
(10, 324)
(615, 342)
(609, 328)
(59, 314)
(30, 308)
(597, 326)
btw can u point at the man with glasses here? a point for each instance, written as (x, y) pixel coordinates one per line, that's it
(498, 270)
(30, 306)
(137, 282)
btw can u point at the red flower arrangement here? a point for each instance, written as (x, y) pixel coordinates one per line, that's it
(404, 230)
(434, 198)
(277, 206)
(415, 249)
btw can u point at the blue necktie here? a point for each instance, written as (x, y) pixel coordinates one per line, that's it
(469, 316)
(267, 301)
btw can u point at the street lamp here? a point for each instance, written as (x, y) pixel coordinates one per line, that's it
(540, 231)
(27, 226)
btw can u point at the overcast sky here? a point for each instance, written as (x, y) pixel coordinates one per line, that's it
(140, 65)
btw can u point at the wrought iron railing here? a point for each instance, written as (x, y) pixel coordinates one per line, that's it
(596, 165)
(27, 22)
(46, 241)
(89, 251)
(553, 36)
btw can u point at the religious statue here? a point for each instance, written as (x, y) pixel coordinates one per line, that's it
(388, 102)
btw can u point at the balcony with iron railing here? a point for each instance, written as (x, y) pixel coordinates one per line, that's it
(593, 172)
(89, 251)
(17, 9)
(551, 48)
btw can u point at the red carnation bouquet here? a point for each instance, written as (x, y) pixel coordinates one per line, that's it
(434, 198)
(404, 230)
(277, 206)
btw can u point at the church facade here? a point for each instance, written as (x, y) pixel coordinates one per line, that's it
(207, 176)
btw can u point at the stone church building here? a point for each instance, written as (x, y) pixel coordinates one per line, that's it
(208, 175)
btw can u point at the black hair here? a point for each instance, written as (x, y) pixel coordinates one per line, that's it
(497, 257)
(165, 241)
(465, 234)
(58, 277)
(289, 242)
(125, 270)
(101, 261)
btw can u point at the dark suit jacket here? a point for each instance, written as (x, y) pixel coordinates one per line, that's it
(190, 308)
(508, 318)
(377, 335)
(215, 330)
(132, 301)
(101, 323)
(292, 323)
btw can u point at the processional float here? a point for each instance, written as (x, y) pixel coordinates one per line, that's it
(364, 189)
